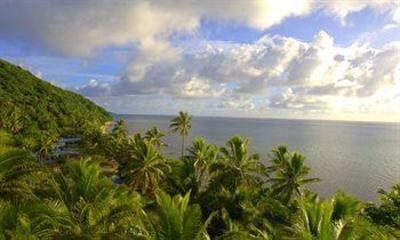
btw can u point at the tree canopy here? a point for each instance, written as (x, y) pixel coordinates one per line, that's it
(31, 107)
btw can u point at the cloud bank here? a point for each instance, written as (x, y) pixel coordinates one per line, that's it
(286, 72)
(79, 28)
(274, 72)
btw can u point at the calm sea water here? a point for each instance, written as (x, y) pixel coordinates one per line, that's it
(358, 158)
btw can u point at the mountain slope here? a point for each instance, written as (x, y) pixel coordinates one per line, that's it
(30, 106)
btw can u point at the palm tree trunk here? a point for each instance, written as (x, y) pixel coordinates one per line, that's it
(41, 154)
(183, 145)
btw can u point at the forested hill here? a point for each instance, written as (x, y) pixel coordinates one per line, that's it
(30, 106)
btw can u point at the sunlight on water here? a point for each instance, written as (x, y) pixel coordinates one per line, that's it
(358, 158)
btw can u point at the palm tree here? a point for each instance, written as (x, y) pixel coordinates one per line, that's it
(202, 153)
(290, 173)
(46, 144)
(315, 219)
(388, 211)
(14, 122)
(338, 218)
(154, 136)
(278, 158)
(192, 174)
(19, 172)
(176, 219)
(120, 130)
(181, 124)
(91, 206)
(145, 168)
(92, 135)
(234, 170)
(28, 220)
(237, 165)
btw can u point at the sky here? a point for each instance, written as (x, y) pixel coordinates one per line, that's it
(306, 59)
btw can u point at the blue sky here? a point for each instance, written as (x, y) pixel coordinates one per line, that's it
(261, 58)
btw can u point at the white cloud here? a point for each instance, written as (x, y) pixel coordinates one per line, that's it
(78, 28)
(290, 100)
(288, 72)
(94, 88)
(199, 88)
(396, 15)
(237, 102)
(343, 8)
(312, 66)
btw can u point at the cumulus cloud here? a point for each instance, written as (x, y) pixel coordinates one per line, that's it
(342, 9)
(214, 69)
(237, 102)
(288, 99)
(396, 15)
(288, 72)
(94, 88)
(78, 28)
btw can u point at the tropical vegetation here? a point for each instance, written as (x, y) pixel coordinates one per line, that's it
(35, 112)
(181, 124)
(208, 192)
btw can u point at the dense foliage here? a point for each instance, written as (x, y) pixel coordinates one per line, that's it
(32, 109)
(209, 193)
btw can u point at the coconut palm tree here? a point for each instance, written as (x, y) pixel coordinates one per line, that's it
(193, 172)
(237, 165)
(388, 211)
(120, 130)
(28, 220)
(177, 219)
(315, 219)
(91, 206)
(19, 172)
(92, 135)
(154, 136)
(279, 156)
(202, 153)
(235, 169)
(338, 218)
(290, 173)
(46, 144)
(241, 230)
(181, 124)
(15, 121)
(145, 168)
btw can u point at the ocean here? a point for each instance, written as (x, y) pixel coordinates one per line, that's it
(356, 157)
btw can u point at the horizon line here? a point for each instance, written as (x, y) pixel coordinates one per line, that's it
(264, 118)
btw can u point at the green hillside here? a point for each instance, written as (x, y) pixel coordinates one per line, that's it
(30, 107)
